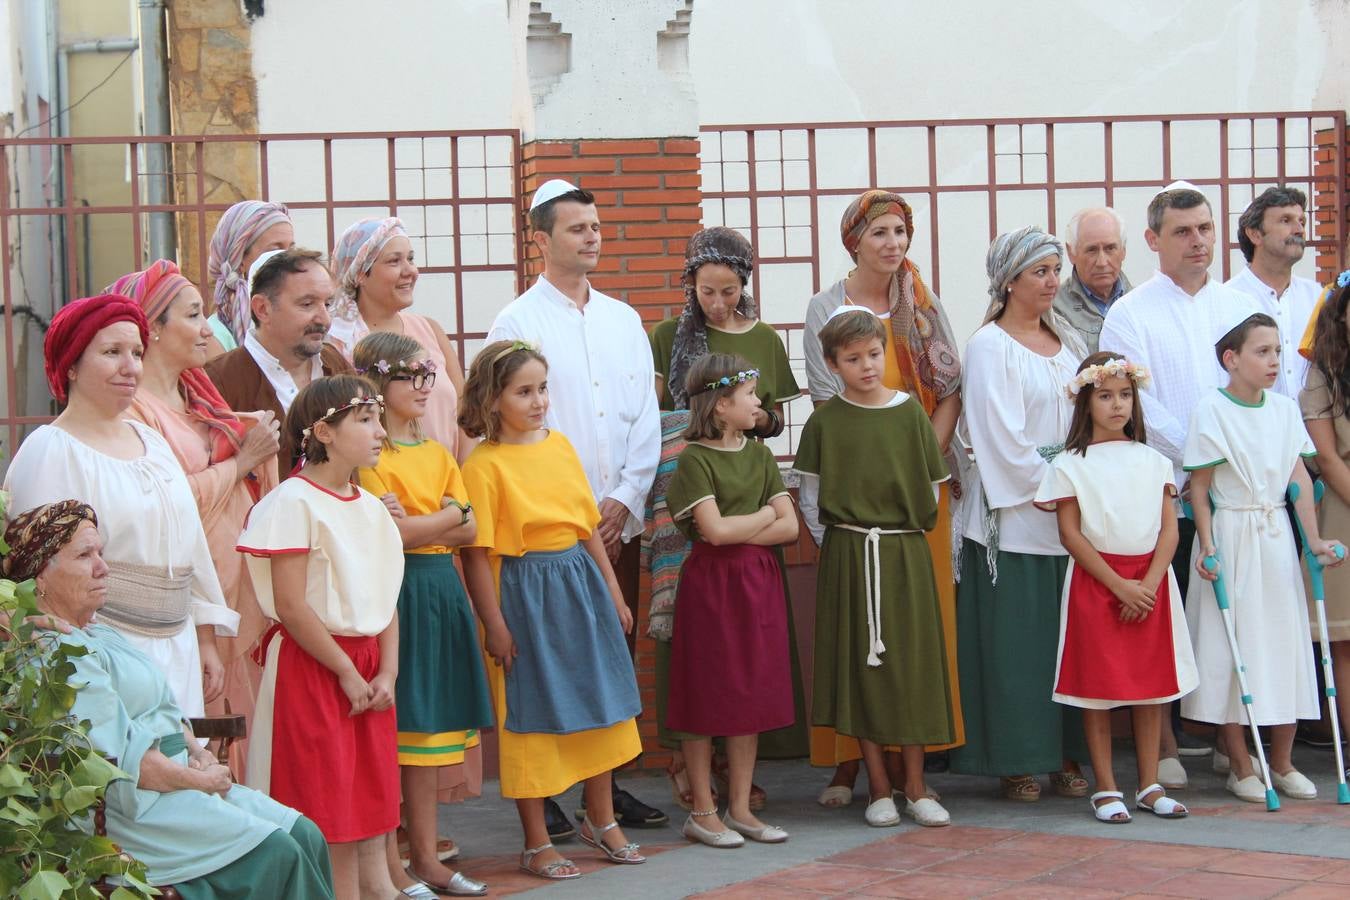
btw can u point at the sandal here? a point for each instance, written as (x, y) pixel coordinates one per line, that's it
(835, 796)
(550, 870)
(683, 796)
(1023, 788)
(1113, 812)
(459, 885)
(592, 834)
(1164, 807)
(722, 778)
(1069, 784)
(446, 849)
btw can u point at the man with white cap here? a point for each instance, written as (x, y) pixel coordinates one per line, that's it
(1271, 235)
(292, 297)
(602, 393)
(1165, 324)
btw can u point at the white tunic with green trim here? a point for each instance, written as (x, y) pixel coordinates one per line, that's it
(1253, 449)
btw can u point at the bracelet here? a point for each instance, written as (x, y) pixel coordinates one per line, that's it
(774, 427)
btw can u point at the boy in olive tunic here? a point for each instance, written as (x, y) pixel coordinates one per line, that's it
(870, 464)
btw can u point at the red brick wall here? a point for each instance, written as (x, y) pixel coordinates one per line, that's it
(648, 194)
(1331, 261)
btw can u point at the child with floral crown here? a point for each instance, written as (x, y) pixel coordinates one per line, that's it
(326, 562)
(553, 615)
(1122, 632)
(730, 674)
(441, 695)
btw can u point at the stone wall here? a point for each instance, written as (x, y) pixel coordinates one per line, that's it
(212, 91)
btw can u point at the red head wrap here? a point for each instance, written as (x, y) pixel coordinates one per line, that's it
(154, 289)
(75, 325)
(869, 206)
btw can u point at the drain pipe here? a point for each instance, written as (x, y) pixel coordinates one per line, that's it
(155, 102)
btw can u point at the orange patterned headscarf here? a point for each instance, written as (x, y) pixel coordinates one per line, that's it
(924, 346)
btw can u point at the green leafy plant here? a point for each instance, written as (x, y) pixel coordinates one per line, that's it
(51, 778)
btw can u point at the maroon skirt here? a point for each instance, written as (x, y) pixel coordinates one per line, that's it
(338, 769)
(729, 666)
(1103, 658)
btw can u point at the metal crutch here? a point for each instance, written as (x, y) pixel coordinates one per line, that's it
(1211, 564)
(1315, 568)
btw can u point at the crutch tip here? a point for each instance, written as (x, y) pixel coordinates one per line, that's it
(1272, 801)
(1343, 794)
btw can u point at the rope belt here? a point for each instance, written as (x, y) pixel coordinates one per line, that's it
(147, 600)
(872, 577)
(1269, 511)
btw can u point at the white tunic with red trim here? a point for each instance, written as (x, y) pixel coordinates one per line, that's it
(352, 576)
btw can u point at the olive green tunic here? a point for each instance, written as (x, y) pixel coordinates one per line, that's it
(760, 346)
(877, 468)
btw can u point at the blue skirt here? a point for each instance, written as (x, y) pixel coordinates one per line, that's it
(572, 671)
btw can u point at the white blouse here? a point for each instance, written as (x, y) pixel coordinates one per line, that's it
(1119, 487)
(1013, 403)
(146, 517)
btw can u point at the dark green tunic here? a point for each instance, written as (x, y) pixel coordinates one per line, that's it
(760, 346)
(877, 467)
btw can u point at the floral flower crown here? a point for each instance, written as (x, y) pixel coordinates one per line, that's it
(306, 434)
(516, 347)
(1115, 368)
(384, 367)
(729, 380)
(1343, 279)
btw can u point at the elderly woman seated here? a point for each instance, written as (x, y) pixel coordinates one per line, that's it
(178, 812)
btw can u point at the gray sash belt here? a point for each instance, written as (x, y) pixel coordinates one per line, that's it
(147, 600)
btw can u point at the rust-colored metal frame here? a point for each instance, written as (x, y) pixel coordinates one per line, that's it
(65, 147)
(1336, 186)
(1336, 119)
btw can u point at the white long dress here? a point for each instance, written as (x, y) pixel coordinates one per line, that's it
(1253, 450)
(146, 517)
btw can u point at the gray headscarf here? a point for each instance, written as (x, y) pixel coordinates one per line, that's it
(1014, 252)
(724, 246)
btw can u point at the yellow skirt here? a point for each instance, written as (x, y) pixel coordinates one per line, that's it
(828, 747)
(446, 748)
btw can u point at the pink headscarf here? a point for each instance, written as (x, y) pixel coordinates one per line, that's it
(239, 227)
(154, 288)
(355, 254)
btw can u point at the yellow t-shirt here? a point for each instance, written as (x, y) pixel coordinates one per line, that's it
(1305, 346)
(529, 496)
(419, 475)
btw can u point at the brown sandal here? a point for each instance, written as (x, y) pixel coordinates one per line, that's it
(1023, 788)
(1069, 784)
(721, 771)
(684, 795)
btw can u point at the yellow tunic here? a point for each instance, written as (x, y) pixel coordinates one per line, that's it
(420, 475)
(829, 748)
(532, 497)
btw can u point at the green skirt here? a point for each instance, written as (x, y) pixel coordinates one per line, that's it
(1007, 642)
(290, 865)
(441, 684)
(789, 742)
(907, 699)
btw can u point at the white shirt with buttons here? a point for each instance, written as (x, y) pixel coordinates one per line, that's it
(602, 394)
(1291, 311)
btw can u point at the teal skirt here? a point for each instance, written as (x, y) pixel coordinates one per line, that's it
(1007, 638)
(441, 683)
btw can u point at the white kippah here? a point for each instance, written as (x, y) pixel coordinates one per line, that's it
(551, 190)
(258, 264)
(848, 308)
(1179, 186)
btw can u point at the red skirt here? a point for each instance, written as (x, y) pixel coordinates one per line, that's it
(1102, 658)
(339, 770)
(729, 667)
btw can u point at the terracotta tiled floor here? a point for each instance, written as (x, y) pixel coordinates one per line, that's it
(995, 862)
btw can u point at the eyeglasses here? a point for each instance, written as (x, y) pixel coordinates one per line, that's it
(419, 381)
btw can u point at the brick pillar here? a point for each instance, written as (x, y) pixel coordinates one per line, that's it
(1331, 261)
(648, 194)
